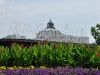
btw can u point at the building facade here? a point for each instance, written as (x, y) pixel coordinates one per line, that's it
(50, 33)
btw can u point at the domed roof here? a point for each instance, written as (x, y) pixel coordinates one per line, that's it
(50, 24)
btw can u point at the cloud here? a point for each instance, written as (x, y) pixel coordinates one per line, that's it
(2, 2)
(65, 8)
(9, 14)
(2, 10)
(3, 28)
(52, 8)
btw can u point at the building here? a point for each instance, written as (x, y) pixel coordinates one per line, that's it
(50, 33)
(14, 36)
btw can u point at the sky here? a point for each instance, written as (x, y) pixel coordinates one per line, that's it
(28, 17)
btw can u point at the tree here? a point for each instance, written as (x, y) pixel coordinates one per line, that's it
(95, 32)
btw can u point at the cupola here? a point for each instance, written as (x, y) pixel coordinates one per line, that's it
(50, 24)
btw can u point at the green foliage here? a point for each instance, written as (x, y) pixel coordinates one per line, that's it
(95, 32)
(95, 59)
(4, 55)
(50, 55)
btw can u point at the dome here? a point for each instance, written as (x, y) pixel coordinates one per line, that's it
(50, 24)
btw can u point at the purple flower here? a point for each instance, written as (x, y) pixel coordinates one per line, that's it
(52, 71)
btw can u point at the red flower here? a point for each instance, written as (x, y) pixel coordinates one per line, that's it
(42, 43)
(67, 45)
(56, 45)
(13, 44)
(0, 49)
(30, 47)
(22, 46)
(45, 41)
(98, 54)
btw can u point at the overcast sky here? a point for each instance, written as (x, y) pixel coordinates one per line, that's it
(27, 17)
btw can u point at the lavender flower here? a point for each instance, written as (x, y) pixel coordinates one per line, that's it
(51, 71)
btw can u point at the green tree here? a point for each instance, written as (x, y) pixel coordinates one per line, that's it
(95, 32)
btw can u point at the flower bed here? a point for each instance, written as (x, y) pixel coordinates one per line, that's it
(48, 71)
(52, 55)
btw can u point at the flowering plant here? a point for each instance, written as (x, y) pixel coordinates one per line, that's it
(50, 55)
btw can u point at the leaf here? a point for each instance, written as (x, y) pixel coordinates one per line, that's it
(51, 58)
(35, 53)
(25, 58)
(57, 58)
(92, 59)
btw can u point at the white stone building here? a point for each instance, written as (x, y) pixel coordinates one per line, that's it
(52, 34)
(14, 36)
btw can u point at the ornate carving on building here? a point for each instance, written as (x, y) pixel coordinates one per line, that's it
(52, 34)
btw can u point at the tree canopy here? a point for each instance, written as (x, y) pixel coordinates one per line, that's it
(95, 32)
